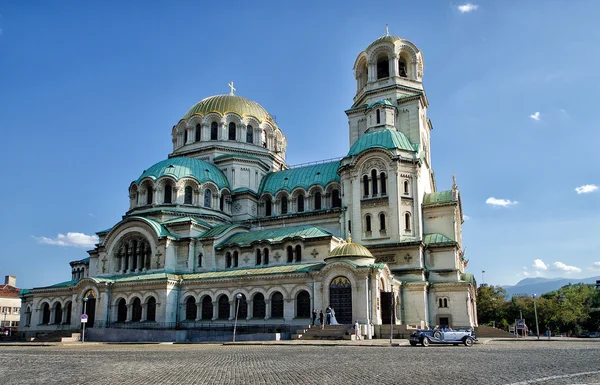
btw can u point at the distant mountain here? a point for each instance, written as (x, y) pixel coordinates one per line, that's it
(539, 285)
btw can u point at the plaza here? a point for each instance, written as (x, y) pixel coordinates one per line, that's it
(492, 362)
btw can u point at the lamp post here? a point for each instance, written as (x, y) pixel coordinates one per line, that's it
(85, 299)
(392, 314)
(238, 297)
(537, 328)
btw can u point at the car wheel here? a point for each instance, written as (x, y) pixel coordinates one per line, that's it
(469, 341)
(412, 343)
(438, 335)
(425, 341)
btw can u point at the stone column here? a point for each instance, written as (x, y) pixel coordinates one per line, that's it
(205, 133)
(198, 311)
(129, 312)
(139, 258)
(250, 306)
(267, 309)
(215, 310)
(394, 71)
(144, 311)
(191, 253)
(232, 310)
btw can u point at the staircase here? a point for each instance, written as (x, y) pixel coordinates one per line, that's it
(330, 332)
(58, 336)
(490, 332)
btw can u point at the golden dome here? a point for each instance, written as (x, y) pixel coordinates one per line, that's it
(350, 250)
(224, 104)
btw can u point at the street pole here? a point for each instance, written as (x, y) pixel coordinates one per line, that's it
(84, 312)
(537, 328)
(238, 296)
(392, 314)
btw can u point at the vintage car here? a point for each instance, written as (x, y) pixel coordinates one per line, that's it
(443, 335)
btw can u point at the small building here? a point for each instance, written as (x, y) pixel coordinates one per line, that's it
(10, 305)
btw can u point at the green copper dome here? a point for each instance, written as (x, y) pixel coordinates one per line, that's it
(186, 167)
(387, 139)
(381, 101)
(224, 104)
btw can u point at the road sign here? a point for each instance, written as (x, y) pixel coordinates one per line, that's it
(520, 324)
(84, 318)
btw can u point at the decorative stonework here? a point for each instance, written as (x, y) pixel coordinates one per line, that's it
(385, 259)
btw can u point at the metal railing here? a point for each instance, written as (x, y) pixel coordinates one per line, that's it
(192, 325)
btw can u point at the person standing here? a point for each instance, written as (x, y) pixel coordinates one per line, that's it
(357, 330)
(328, 311)
(321, 319)
(314, 316)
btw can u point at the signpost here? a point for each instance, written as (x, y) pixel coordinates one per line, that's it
(84, 319)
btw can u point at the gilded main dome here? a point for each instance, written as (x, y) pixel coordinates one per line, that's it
(224, 104)
(350, 250)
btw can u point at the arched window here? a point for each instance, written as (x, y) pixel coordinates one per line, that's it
(228, 259)
(300, 203)
(151, 309)
(207, 198)
(168, 193)
(443, 302)
(402, 68)
(365, 185)
(335, 199)
(214, 131)
(368, 223)
(235, 259)
(149, 196)
(198, 132)
(185, 136)
(223, 307)
(68, 317)
(406, 188)
(46, 314)
(383, 181)
(298, 253)
(136, 311)
(383, 68)
(242, 310)
(303, 304)
(231, 131)
(221, 202)
(290, 254)
(378, 116)
(258, 257)
(58, 313)
(265, 256)
(207, 308)
(382, 221)
(187, 196)
(317, 201)
(268, 207)
(277, 305)
(258, 306)
(249, 134)
(191, 310)
(122, 310)
(407, 221)
(284, 205)
(199, 260)
(374, 182)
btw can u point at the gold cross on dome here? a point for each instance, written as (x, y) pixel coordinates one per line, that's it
(387, 31)
(232, 88)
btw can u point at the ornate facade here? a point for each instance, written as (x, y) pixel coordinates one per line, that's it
(225, 215)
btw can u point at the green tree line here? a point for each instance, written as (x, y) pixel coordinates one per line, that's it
(572, 309)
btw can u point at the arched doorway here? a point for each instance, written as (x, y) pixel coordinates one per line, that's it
(89, 307)
(340, 299)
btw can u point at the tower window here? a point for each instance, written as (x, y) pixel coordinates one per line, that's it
(268, 208)
(407, 222)
(365, 185)
(249, 134)
(335, 199)
(198, 132)
(235, 259)
(368, 223)
(298, 253)
(214, 131)
(406, 187)
(168, 193)
(185, 136)
(318, 201)
(382, 222)
(265, 256)
(402, 68)
(443, 302)
(290, 254)
(383, 68)
(207, 198)
(383, 181)
(284, 205)
(228, 259)
(378, 116)
(232, 131)
(188, 195)
(222, 203)
(258, 257)
(149, 196)
(301, 203)
(374, 181)
(200, 260)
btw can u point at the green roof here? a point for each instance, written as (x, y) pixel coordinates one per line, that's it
(242, 156)
(318, 174)
(160, 230)
(381, 101)
(438, 197)
(275, 235)
(186, 167)
(387, 139)
(437, 239)
(186, 219)
(84, 260)
(232, 273)
(217, 230)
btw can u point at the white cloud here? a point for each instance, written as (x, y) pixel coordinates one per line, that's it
(538, 264)
(565, 268)
(500, 202)
(71, 239)
(466, 217)
(595, 266)
(535, 116)
(586, 188)
(466, 8)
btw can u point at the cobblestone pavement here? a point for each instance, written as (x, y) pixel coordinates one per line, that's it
(497, 362)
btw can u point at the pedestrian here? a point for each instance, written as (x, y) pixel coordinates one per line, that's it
(328, 311)
(321, 319)
(314, 316)
(357, 330)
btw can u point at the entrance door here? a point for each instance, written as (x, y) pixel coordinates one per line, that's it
(386, 307)
(90, 308)
(340, 299)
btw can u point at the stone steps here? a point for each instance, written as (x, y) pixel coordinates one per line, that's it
(491, 332)
(330, 332)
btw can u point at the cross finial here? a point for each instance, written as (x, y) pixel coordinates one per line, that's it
(454, 186)
(349, 240)
(387, 31)
(232, 88)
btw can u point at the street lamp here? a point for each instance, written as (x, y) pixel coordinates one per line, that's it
(85, 299)
(537, 328)
(238, 297)
(392, 314)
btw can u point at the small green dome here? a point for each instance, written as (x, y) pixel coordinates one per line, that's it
(350, 250)
(224, 104)
(387, 139)
(186, 167)
(381, 101)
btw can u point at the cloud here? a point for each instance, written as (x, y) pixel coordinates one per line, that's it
(466, 217)
(535, 116)
(538, 264)
(586, 188)
(595, 266)
(565, 268)
(500, 202)
(71, 239)
(466, 8)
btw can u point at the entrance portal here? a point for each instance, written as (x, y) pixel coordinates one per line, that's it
(340, 299)
(89, 307)
(387, 307)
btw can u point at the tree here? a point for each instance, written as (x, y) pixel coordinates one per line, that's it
(490, 304)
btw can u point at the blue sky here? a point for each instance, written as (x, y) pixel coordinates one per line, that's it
(89, 93)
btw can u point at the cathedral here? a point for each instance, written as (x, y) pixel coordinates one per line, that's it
(225, 229)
